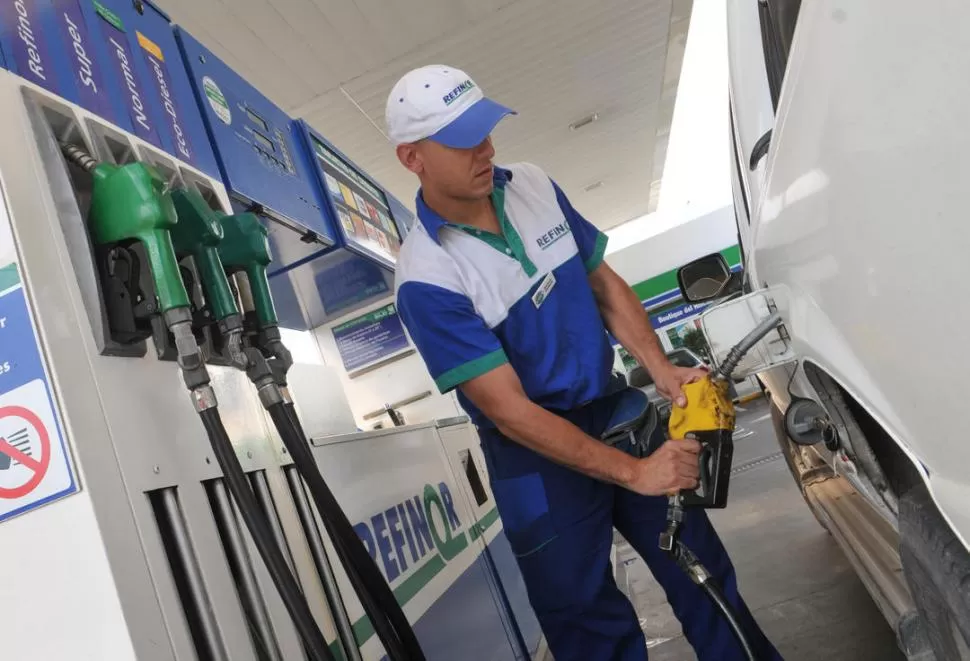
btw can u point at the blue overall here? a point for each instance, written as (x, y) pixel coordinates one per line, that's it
(560, 526)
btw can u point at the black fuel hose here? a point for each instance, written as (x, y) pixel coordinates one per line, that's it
(714, 592)
(691, 565)
(390, 623)
(386, 615)
(296, 604)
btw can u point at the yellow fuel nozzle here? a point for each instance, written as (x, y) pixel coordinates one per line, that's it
(709, 408)
(707, 418)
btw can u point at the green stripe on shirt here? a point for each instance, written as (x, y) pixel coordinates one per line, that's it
(468, 371)
(509, 243)
(599, 251)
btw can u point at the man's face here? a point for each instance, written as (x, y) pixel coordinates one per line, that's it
(463, 174)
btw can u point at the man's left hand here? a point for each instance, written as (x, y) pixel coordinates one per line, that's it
(670, 380)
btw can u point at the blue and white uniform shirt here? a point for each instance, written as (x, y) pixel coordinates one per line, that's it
(473, 301)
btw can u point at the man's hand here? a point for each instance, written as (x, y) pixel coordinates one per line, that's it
(670, 381)
(674, 466)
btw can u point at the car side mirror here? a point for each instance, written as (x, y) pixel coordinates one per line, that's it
(707, 279)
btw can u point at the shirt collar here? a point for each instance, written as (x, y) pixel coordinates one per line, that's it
(433, 222)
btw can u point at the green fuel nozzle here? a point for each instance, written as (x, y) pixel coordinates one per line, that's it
(245, 248)
(198, 233)
(130, 203)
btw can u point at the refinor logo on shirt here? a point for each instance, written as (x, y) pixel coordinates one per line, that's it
(553, 235)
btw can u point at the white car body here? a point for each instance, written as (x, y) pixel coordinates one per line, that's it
(859, 215)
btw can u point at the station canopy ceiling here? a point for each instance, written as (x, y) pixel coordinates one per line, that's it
(559, 63)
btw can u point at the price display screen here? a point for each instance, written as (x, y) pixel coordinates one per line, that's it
(257, 120)
(361, 207)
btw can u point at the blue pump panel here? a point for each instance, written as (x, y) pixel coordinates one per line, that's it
(358, 208)
(171, 117)
(359, 269)
(258, 150)
(60, 46)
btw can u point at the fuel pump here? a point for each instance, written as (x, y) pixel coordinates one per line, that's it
(131, 204)
(236, 247)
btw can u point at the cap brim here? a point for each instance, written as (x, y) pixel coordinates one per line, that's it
(474, 125)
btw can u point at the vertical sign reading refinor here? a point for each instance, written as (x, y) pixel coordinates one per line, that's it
(119, 53)
(30, 53)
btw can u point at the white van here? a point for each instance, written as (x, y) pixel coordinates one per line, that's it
(851, 128)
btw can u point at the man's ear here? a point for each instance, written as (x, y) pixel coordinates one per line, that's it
(410, 158)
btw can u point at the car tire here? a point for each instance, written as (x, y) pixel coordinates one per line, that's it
(937, 570)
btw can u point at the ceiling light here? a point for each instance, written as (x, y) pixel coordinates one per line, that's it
(585, 121)
(593, 186)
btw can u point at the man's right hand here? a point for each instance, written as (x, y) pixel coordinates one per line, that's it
(672, 467)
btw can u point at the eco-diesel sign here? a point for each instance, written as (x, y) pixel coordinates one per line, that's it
(410, 531)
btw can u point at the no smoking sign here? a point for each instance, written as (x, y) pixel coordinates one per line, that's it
(25, 451)
(34, 468)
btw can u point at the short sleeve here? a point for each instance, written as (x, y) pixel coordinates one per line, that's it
(591, 241)
(453, 340)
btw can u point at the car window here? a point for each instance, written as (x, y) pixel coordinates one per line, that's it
(639, 378)
(682, 359)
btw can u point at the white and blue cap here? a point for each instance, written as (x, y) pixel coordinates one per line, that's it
(443, 104)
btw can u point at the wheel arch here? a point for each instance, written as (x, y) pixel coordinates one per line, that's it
(883, 457)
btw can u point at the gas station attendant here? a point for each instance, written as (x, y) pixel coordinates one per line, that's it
(504, 290)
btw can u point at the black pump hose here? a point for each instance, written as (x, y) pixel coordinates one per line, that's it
(390, 623)
(388, 618)
(714, 592)
(296, 604)
(691, 565)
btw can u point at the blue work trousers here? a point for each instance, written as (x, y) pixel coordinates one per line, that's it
(560, 526)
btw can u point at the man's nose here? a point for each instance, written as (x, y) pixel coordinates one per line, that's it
(485, 149)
